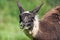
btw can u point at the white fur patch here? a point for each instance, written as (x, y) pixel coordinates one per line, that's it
(26, 12)
(36, 26)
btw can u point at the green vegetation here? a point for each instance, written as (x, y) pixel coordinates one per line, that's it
(9, 16)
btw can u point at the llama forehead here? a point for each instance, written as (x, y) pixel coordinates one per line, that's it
(26, 12)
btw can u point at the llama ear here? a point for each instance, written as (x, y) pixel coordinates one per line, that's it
(20, 7)
(36, 9)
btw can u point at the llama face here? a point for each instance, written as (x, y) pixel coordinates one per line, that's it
(27, 17)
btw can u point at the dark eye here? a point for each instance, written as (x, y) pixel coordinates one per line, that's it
(32, 17)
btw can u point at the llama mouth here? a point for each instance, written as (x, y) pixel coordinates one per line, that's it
(22, 26)
(26, 27)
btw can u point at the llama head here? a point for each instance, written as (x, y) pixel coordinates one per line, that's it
(27, 17)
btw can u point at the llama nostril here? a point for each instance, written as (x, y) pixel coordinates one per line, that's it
(28, 25)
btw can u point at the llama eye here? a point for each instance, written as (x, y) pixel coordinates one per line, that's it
(32, 17)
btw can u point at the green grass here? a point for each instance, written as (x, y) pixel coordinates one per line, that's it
(9, 20)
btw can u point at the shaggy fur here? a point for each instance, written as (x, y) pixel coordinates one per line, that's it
(49, 26)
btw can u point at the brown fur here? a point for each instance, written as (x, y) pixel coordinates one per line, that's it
(50, 26)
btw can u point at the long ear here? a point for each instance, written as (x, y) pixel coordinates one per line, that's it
(36, 9)
(20, 7)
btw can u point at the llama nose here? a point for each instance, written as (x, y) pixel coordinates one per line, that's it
(26, 19)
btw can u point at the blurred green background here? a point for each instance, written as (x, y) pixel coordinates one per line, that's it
(9, 16)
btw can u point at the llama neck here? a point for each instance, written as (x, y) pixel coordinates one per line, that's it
(36, 26)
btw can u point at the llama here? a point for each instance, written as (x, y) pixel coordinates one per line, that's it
(48, 28)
